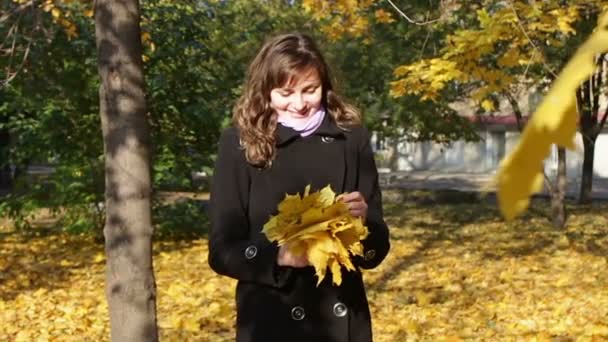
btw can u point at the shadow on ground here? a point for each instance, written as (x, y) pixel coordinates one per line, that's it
(467, 222)
(45, 257)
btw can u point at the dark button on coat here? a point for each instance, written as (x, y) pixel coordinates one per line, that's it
(277, 303)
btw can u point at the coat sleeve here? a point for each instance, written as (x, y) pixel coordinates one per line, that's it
(377, 244)
(232, 252)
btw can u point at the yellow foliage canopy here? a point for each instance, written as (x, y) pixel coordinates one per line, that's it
(343, 16)
(488, 55)
(554, 122)
(321, 228)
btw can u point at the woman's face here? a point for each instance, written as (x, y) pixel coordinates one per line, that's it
(300, 97)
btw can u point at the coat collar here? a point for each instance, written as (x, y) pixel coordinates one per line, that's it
(328, 128)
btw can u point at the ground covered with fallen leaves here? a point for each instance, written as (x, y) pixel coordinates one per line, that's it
(456, 272)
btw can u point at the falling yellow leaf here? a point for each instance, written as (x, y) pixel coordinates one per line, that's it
(554, 122)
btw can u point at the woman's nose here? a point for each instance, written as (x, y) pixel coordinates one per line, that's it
(298, 102)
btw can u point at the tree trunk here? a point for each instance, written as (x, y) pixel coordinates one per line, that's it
(130, 284)
(591, 124)
(587, 172)
(558, 205)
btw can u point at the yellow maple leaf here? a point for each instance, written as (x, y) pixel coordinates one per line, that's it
(554, 122)
(318, 226)
(487, 105)
(55, 12)
(383, 16)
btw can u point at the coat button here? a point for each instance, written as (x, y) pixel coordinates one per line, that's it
(340, 309)
(251, 252)
(369, 255)
(327, 140)
(298, 313)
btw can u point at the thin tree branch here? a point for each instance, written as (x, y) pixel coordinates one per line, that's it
(428, 35)
(16, 10)
(602, 62)
(548, 181)
(516, 109)
(11, 74)
(584, 113)
(410, 20)
(9, 35)
(597, 84)
(523, 30)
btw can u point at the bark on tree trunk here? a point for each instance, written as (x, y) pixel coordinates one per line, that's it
(587, 172)
(591, 124)
(130, 284)
(558, 205)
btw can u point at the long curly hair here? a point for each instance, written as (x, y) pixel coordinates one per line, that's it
(281, 60)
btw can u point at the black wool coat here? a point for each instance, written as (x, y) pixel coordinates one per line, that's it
(276, 303)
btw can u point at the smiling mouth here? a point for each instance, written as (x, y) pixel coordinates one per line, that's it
(299, 115)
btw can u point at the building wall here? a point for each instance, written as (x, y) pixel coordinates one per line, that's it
(478, 157)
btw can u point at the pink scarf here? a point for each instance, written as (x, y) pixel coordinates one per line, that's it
(305, 126)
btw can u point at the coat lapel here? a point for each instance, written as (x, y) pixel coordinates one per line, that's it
(333, 144)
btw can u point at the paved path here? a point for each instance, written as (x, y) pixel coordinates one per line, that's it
(471, 182)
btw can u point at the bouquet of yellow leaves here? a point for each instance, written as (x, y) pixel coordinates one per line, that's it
(320, 227)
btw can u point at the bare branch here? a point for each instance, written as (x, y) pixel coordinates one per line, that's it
(516, 109)
(410, 20)
(548, 181)
(9, 76)
(13, 33)
(602, 61)
(16, 10)
(594, 89)
(426, 39)
(523, 30)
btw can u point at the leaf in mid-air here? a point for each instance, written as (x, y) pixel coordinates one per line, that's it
(554, 122)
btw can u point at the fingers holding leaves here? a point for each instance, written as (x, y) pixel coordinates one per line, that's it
(356, 203)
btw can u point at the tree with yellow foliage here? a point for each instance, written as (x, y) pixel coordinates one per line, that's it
(498, 48)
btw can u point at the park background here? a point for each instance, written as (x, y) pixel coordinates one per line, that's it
(446, 87)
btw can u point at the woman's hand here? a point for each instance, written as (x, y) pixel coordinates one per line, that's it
(356, 204)
(286, 258)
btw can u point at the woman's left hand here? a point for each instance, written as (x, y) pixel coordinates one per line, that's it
(356, 204)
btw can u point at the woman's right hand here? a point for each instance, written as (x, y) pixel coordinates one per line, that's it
(286, 258)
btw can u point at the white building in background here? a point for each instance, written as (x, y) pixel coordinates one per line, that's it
(499, 135)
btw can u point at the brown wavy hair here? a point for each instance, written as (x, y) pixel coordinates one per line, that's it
(281, 60)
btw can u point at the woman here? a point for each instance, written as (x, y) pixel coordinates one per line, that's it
(290, 130)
